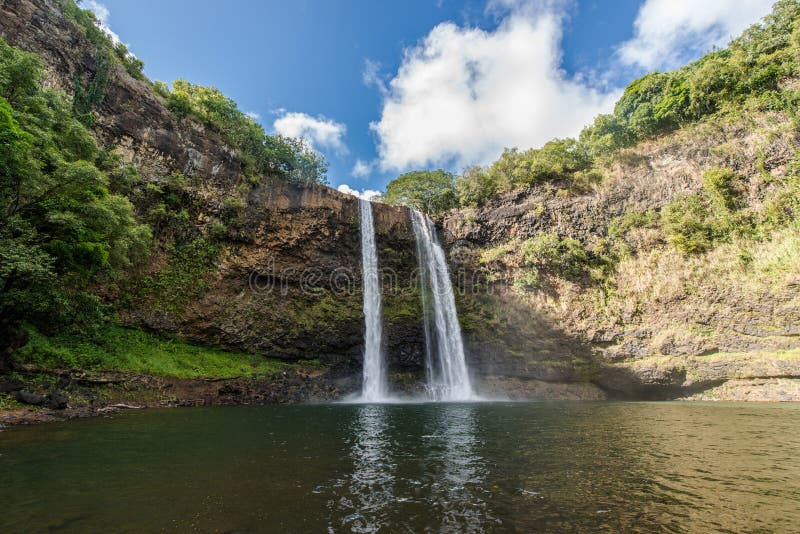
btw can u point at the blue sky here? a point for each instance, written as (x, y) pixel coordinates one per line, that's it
(382, 87)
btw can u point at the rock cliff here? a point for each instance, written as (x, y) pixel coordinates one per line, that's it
(285, 280)
(660, 324)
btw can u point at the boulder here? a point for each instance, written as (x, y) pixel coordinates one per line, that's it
(27, 397)
(57, 400)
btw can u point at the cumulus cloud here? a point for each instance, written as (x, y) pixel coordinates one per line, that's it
(366, 194)
(462, 94)
(319, 132)
(667, 33)
(252, 115)
(361, 169)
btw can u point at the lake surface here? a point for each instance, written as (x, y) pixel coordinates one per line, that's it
(578, 467)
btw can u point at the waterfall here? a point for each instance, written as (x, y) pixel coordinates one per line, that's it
(373, 386)
(448, 377)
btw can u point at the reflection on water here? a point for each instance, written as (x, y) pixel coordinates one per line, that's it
(458, 493)
(369, 489)
(552, 467)
(449, 494)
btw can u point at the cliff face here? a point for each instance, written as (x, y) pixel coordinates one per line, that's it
(131, 117)
(286, 277)
(659, 323)
(290, 286)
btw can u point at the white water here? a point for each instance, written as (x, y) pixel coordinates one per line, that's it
(448, 377)
(374, 386)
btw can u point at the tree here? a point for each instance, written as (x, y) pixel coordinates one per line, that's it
(556, 160)
(475, 186)
(426, 191)
(61, 230)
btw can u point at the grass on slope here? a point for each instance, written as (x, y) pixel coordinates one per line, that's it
(115, 348)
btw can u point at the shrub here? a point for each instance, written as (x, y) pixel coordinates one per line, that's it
(686, 224)
(693, 223)
(217, 229)
(548, 252)
(584, 181)
(131, 63)
(161, 88)
(782, 206)
(724, 187)
(620, 226)
(179, 104)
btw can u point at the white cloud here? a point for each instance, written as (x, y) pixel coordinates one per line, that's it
(371, 75)
(361, 169)
(463, 94)
(319, 132)
(667, 33)
(252, 115)
(366, 194)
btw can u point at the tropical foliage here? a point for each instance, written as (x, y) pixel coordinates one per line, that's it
(61, 230)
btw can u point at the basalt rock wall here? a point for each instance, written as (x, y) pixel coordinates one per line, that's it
(286, 281)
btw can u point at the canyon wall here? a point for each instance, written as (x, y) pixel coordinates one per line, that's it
(658, 323)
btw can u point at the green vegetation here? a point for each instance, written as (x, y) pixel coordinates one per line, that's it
(75, 223)
(61, 229)
(562, 255)
(426, 191)
(8, 402)
(78, 229)
(114, 348)
(546, 255)
(181, 280)
(90, 89)
(402, 305)
(562, 159)
(288, 158)
(474, 187)
(107, 51)
(737, 227)
(694, 223)
(751, 68)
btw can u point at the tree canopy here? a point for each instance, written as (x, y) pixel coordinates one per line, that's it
(60, 227)
(426, 191)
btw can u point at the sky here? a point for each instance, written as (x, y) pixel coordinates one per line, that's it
(382, 87)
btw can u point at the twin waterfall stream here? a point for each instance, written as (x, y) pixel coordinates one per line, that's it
(445, 364)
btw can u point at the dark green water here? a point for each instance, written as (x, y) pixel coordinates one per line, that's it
(407, 468)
